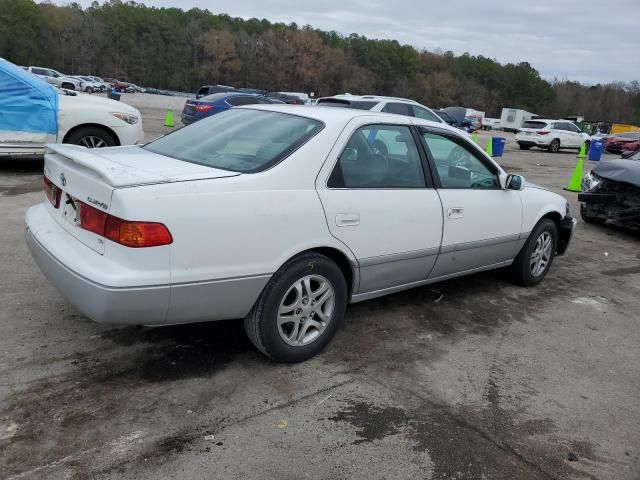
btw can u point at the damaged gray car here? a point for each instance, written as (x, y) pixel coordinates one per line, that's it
(611, 191)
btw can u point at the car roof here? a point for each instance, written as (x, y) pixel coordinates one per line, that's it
(214, 97)
(375, 98)
(340, 114)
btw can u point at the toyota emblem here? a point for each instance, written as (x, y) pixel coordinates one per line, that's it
(63, 179)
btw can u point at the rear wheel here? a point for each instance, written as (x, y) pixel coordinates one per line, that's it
(68, 86)
(91, 137)
(525, 147)
(589, 218)
(300, 309)
(534, 260)
(554, 146)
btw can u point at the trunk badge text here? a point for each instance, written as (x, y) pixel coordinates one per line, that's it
(63, 179)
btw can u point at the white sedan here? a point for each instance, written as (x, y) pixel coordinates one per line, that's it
(282, 215)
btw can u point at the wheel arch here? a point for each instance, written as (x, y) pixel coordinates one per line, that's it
(92, 125)
(342, 260)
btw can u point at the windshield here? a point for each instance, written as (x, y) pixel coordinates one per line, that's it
(241, 140)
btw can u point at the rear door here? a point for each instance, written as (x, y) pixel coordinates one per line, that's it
(482, 222)
(381, 205)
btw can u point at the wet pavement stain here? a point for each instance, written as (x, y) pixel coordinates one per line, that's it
(469, 443)
(61, 415)
(22, 188)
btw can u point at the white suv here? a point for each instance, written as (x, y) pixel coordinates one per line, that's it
(374, 103)
(56, 78)
(551, 134)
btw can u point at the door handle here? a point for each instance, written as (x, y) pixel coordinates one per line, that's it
(347, 219)
(455, 212)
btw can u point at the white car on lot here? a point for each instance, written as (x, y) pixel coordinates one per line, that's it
(57, 79)
(282, 215)
(374, 103)
(34, 113)
(551, 135)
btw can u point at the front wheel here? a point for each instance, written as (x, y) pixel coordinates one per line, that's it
(534, 260)
(91, 137)
(300, 309)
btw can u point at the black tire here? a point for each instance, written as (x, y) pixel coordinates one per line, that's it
(68, 86)
(88, 90)
(89, 135)
(261, 324)
(525, 147)
(554, 146)
(590, 219)
(521, 267)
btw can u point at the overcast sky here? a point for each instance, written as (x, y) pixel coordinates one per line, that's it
(563, 38)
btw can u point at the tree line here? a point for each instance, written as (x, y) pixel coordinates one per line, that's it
(180, 50)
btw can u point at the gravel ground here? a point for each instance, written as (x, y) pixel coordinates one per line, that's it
(471, 378)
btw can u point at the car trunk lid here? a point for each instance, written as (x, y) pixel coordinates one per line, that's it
(91, 176)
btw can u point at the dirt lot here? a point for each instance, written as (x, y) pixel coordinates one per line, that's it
(472, 378)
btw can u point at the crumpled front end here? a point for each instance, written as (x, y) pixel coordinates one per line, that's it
(607, 199)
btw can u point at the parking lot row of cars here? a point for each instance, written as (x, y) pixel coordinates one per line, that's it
(83, 83)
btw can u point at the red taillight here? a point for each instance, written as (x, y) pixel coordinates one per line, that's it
(125, 232)
(203, 108)
(542, 132)
(51, 191)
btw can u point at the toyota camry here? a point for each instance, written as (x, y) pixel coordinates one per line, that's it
(281, 216)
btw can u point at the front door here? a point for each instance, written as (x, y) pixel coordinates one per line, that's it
(381, 205)
(482, 222)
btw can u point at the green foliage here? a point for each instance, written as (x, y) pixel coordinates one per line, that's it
(181, 50)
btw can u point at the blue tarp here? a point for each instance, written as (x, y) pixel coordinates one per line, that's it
(27, 103)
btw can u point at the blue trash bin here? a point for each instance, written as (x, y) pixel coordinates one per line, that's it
(497, 145)
(595, 151)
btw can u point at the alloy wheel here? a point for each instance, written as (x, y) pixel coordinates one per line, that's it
(541, 254)
(305, 310)
(91, 141)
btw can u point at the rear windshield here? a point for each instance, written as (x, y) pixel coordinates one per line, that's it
(240, 140)
(338, 102)
(532, 124)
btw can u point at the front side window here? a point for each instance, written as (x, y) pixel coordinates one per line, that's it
(240, 140)
(379, 156)
(398, 109)
(423, 113)
(573, 128)
(457, 165)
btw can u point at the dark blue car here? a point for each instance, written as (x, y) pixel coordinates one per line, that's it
(195, 110)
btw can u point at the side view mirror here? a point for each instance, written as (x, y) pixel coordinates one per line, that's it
(515, 182)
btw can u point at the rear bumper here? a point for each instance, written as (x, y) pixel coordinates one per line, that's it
(113, 293)
(103, 304)
(532, 142)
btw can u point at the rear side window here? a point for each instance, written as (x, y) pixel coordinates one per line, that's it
(533, 124)
(240, 140)
(398, 109)
(39, 71)
(338, 102)
(424, 114)
(379, 156)
(203, 91)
